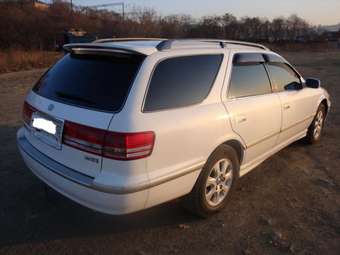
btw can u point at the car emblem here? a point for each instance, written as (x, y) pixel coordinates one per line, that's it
(50, 107)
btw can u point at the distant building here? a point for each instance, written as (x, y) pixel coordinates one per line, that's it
(24, 3)
(40, 5)
(73, 36)
(331, 36)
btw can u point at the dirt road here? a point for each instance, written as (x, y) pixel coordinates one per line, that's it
(289, 204)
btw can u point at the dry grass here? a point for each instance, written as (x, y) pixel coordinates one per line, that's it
(18, 60)
(306, 47)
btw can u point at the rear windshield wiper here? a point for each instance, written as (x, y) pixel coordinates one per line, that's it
(74, 97)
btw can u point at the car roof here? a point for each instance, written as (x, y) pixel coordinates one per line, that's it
(148, 46)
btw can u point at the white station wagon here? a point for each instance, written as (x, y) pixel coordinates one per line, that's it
(121, 125)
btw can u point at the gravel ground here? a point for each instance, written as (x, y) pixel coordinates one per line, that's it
(289, 204)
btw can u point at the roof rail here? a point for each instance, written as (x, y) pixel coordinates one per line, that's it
(167, 44)
(127, 39)
(257, 45)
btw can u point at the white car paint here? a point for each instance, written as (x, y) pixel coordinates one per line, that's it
(185, 137)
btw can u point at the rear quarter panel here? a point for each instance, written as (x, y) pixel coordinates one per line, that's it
(185, 137)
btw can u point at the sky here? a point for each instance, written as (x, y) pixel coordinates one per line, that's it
(325, 12)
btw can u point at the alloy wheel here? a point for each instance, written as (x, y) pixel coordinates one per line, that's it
(219, 182)
(318, 124)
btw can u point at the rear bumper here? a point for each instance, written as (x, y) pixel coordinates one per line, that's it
(81, 188)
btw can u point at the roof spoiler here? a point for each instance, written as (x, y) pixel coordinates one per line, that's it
(106, 40)
(88, 48)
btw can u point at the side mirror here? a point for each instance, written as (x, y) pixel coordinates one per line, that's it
(293, 86)
(313, 83)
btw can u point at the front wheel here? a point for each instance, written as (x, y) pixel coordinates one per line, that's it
(315, 129)
(216, 181)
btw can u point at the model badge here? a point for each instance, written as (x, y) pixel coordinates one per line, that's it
(92, 159)
(50, 107)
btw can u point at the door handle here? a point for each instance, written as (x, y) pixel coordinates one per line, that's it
(241, 119)
(286, 107)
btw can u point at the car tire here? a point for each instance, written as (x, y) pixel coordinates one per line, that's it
(215, 182)
(315, 129)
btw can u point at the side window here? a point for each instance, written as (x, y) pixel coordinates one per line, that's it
(282, 75)
(181, 81)
(248, 79)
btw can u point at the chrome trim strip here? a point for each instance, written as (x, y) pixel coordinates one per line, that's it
(89, 181)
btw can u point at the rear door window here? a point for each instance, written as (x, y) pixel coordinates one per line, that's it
(249, 79)
(91, 81)
(182, 81)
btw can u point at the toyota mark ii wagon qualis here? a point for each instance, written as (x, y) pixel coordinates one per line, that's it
(120, 125)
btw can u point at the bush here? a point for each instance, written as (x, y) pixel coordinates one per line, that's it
(16, 60)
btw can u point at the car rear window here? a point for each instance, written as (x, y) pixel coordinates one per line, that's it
(181, 81)
(91, 81)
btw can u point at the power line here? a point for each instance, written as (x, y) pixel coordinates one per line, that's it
(122, 4)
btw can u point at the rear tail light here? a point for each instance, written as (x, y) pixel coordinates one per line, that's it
(115, 145)
(84, 138)
(27, 112)
(127, 146)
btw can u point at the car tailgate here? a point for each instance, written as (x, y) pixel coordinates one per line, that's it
(81, 161)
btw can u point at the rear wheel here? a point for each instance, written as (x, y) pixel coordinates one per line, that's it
(315, 129)
(216, 181)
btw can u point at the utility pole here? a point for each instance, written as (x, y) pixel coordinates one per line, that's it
(71, 16)
(123, 8)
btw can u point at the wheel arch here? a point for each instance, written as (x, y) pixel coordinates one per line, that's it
(325, 103)
(238, 147)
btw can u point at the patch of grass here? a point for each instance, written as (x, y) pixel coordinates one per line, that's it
(17, 60)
